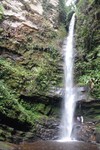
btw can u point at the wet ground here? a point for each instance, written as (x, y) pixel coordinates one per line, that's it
(53, 145)
(49, 145)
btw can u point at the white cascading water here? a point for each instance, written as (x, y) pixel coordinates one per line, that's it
(69, 97)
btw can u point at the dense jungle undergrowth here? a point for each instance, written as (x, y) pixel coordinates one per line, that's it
(88, 46)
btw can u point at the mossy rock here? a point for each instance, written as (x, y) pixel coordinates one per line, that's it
(87, 45)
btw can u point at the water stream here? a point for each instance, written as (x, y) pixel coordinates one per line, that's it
(69, 96)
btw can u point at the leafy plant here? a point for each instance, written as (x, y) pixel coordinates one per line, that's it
(88, 65)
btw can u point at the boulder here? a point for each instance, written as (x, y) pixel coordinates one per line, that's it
(85, 132)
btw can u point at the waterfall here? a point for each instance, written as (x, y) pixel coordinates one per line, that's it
(69, 95)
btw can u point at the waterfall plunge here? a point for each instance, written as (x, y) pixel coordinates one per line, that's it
(69, 97)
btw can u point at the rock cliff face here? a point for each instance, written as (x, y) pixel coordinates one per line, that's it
(31, 33)
(88, 46)
(87, 65)
(29, 13)
(30, 42)
(27, 22)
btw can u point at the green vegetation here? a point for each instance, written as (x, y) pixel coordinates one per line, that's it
(30, 71)
(9, 104)
(30, 64)
(62, 11)
(87, 42)
(65, 12)
(5, 92)
(1, 12)
(47, 7)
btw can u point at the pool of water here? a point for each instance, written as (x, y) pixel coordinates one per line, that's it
(54, 145)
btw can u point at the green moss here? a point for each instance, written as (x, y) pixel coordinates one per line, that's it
(30, 69)
(1, 12)
(5, 92)
(1, 30)
(87, 37)
(62, 11)
(9, 105)
(98, 128)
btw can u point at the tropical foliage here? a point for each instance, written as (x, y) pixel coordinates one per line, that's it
(87, 43)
